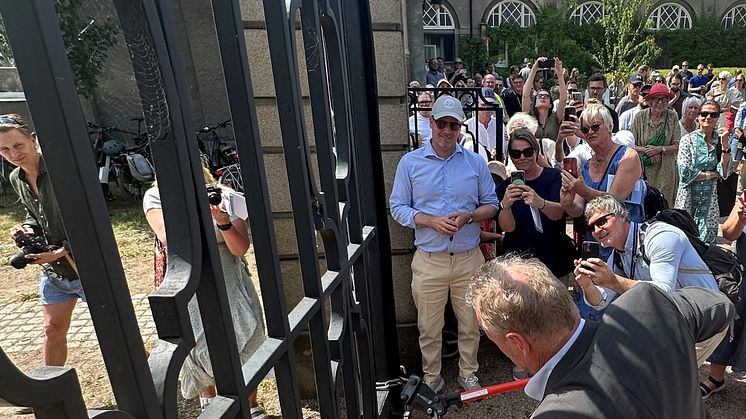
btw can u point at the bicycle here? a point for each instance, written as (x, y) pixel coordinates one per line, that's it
(218, 153)
(127, 167)
(230, 176)
(8, 196)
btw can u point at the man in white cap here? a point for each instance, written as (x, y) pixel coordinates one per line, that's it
(442, 192)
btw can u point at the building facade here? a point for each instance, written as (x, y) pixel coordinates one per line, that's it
(436, 26)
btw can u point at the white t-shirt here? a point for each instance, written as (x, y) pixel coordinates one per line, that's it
(468, 142)
(423, 127)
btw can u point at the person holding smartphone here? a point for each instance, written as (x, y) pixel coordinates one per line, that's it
(530, 213)
(541, 108)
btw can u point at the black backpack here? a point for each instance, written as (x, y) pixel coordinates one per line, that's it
(724, 265)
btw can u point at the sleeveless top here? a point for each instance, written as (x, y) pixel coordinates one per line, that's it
(634, 202)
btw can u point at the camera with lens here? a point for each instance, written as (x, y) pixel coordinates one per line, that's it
(29, 243)
(214, 194)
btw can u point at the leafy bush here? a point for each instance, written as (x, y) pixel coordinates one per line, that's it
(706, 42)
(87, 42)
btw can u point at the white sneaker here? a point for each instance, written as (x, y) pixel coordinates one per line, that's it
(436, 384)
(469, 383)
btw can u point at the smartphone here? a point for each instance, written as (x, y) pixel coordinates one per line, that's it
(570, 111)
(548, 63)
(577, 97)
(517, 177)
(590, 249)
(571, 165)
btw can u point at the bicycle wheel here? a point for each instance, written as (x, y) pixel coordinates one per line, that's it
(231, 177)
(129, 187)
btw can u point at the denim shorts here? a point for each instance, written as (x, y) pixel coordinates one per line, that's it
(53, 290)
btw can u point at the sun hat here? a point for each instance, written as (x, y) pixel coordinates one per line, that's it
(659, 89)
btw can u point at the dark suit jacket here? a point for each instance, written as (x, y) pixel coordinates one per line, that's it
(638, 361)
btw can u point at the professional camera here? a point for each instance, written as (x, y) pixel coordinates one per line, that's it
(29, 243)
(214, 195)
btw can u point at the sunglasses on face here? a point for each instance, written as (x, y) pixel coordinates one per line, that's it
(516, 154)
(710, 114)
(723, 79)
(644, 94)
(454, 126)
(658, 99)
(594, 128)
(601, 222)
(739, 80)
(424, 103)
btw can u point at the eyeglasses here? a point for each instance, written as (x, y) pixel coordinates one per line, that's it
(454, 126)
(516, 154)
(601, 222)
(594, 128)
(542, 96)
(710, 114)
(722, 79)
(658, 99)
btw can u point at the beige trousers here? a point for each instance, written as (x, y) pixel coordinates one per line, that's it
(433, 275)
(705, 348)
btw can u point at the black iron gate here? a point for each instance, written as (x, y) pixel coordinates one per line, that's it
(348, 211)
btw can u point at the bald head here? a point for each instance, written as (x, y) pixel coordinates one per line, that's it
(489, 81)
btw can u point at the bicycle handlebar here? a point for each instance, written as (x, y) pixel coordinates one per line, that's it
(213, 127)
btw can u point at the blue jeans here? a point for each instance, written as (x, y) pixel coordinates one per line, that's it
(54, 290)
(735, 148)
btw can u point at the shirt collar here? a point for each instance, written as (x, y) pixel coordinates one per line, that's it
(538, 383)
(430, 152)
(42, 169)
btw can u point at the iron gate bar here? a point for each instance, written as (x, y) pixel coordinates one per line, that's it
(380, 319)
(58, 119)
(280, 33)
(331, 213)
(240, 92)
(184, 202)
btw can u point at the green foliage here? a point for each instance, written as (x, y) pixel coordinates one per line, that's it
(554, 35)
(626, 42)
(86, 39)
(706, 42)
(473, 53)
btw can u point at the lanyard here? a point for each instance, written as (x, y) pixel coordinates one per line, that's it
(618, 262)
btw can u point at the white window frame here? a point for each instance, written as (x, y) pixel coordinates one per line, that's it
(580, 14)
(442, 17)
(683, 16)
(527, 17)
(729, 20)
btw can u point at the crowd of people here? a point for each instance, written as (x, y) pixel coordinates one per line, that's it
(574, 155)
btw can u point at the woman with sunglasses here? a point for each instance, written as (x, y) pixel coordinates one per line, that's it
(704, 157)
(549, 122)
(657, 136)
(530, 213)
(613, 168)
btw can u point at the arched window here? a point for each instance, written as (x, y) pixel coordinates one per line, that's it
(736, 17)
(587, 13)
(511, 12)
(436, 17)
(671, 16)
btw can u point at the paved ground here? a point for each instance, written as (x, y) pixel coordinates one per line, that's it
(21, 325)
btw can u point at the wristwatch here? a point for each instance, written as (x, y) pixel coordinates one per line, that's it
(224, 227)
(471, 217)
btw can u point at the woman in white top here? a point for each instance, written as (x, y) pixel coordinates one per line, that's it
(689, 113)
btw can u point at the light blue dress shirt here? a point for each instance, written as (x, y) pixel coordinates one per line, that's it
(436, 186)
(674, 263)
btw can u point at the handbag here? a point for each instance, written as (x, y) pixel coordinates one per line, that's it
(657, 139)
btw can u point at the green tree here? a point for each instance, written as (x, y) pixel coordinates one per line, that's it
(626, 42)
(86, 39)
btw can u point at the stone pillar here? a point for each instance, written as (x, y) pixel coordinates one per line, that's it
(416, 41)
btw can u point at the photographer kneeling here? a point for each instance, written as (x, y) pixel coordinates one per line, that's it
(670, 261)
(42, 236)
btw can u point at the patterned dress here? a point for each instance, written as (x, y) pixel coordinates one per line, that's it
(699, 197)
(663, 174)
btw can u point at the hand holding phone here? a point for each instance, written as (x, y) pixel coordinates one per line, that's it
(576, 97)
(570, 111)
(590, 249)
(517, 177)
(548, 63)
(571, 165)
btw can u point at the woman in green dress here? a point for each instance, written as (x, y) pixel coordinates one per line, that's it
(702, 160)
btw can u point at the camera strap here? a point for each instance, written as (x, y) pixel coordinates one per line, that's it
(72, 264)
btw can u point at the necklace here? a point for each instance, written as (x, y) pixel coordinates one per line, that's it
(600, 159)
